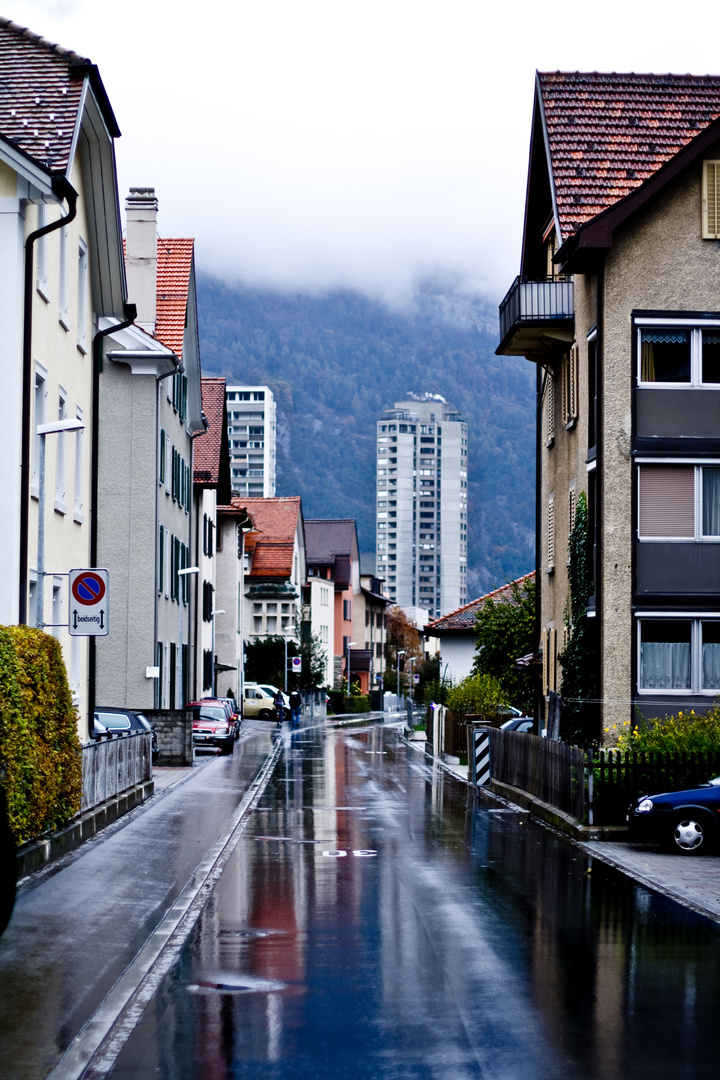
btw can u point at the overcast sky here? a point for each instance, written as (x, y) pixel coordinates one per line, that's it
(313, 143)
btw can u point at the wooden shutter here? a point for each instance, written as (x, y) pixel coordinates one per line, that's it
(550, 409)
(572, 505)
(552, 656)
(544, 647)
(711, 200)
(551, 534)
(573, 384)
(666, 501)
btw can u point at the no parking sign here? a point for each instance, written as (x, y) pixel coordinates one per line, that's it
(89, 609)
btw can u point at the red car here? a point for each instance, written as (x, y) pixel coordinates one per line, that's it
(212, 726)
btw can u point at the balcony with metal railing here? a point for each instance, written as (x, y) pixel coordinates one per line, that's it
(536, 317)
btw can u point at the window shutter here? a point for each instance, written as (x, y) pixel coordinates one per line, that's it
(544, 647)
(711, 200)
(666, 501)
(564, 387)
(552, 651)
(572, 503)
(551, 534)
(550, 400)
(573, 384)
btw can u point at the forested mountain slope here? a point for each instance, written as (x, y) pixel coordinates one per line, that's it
(335, 361)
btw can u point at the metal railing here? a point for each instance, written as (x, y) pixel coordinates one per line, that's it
(536, 301)
(113, 765)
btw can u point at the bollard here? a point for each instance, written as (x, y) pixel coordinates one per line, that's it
(480, 757)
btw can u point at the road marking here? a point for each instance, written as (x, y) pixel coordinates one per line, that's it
(94, 1050)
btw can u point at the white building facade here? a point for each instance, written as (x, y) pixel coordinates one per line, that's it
(421, 511)
(252, 434)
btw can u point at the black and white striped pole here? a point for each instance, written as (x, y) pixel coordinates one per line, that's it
(480, 757)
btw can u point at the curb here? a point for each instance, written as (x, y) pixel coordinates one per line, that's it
(38, 854)
(559, 820)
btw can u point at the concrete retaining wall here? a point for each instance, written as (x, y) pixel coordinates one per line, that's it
(174, 734)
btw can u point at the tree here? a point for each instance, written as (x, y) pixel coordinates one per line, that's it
(580, 681)
(265, 662)
(506, 631)
(401, 635)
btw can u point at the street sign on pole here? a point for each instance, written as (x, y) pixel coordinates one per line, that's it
(296, 664)
(89, 593)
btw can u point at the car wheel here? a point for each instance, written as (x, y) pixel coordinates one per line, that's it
(266, 714)
(689, 836)
(229, 747)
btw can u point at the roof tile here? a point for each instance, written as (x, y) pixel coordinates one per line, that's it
(174, 267)
(208, 444)
(463, 618)
(609, 132)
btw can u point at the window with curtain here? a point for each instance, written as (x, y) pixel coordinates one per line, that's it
(711, 356)
(679, 502)
(665, 654)
(710, 655)
(665, 356)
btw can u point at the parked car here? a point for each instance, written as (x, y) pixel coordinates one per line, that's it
(211, 725)
(257, 703)
(272, 691)
(231, 709)
(108, 722)
(684, 821)
(519, 723)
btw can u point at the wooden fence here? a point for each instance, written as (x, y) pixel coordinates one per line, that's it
(114, 765)
(615, 778)
(551, 771)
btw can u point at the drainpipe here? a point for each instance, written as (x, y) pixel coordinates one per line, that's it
(540, 376)
(130, 312)
(64, 191)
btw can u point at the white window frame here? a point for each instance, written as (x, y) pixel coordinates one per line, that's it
(695, 618)
(695, 326)
(78, 505)
(41, 276)
(698, 464)
(63, 316)
(39, 402)
(82, 298)
(60, 447)
(57, 607)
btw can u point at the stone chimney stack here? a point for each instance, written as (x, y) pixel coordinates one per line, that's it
(141, 254)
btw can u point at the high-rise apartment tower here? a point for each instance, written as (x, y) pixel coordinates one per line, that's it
(422, 504)
(251, 430)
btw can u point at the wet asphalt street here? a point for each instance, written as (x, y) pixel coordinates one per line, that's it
(378, 919)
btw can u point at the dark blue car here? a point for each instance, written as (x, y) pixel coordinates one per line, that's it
(684, 821)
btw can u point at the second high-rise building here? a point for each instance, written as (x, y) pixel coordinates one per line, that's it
(422, 482)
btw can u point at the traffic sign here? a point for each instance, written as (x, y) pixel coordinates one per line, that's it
(296, 663)
(89, 608)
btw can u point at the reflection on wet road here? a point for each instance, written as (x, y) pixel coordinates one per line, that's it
(378, 919)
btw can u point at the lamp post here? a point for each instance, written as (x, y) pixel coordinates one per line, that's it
(42, 430)
(349, 646)
(214, 612)
(182, 573)
(400, 652)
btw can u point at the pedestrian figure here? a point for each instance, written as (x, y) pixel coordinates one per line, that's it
(279, 706)
(295, 706)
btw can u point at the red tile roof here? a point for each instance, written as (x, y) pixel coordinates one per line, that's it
(207, 445)
(174, 267)
(464, 617)
(608, 133)
(271, 543)
(41, 85)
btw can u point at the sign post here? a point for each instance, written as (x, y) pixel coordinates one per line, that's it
(89, 614)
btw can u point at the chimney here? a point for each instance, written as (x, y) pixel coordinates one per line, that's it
(141, 254)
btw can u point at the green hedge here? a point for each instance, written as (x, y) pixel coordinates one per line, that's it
(40, 752)
(341, 704)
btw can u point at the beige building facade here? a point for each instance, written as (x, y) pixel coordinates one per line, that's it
(618, 305)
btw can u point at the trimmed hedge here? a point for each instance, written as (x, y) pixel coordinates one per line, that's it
(357, 703)
(40, 751)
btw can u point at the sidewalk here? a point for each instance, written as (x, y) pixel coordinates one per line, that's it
(693, 881)
(90, 933)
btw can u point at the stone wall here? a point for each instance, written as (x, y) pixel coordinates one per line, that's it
(174, 734)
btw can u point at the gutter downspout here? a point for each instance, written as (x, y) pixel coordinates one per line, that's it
(539, 390)
(130, 312)
(64, 191)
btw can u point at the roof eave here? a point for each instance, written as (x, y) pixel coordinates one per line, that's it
(581, 251)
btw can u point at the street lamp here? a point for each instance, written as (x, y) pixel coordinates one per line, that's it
(349, 646)
(42, 430)
(400, 652)
(214, 612)
(181, 573)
